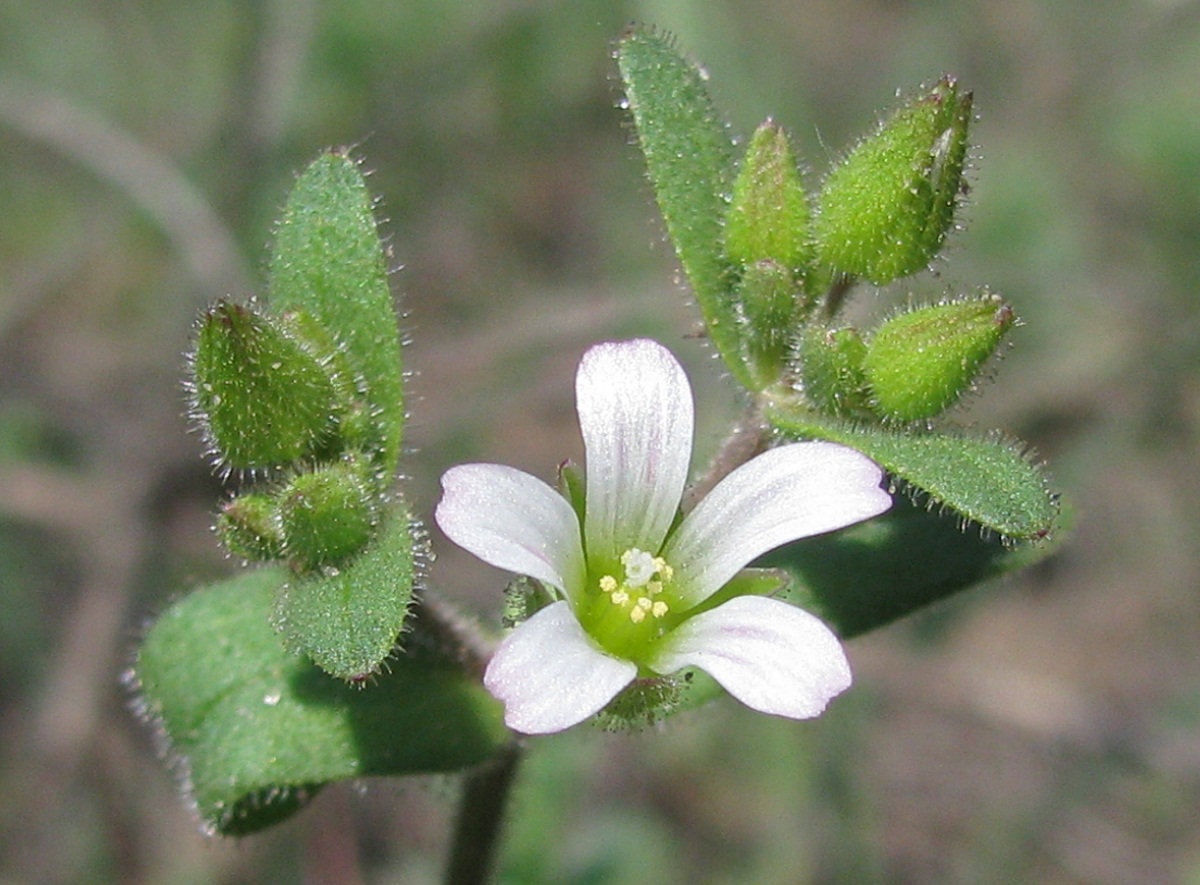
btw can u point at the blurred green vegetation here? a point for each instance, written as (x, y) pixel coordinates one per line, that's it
(1046, 729)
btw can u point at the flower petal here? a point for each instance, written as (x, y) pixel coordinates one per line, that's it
(550, 676)
(513, 521)
(782, 495)
(636, 414)
(771, 656)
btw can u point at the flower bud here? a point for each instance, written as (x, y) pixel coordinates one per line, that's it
(263, 398)
(885, 210)
(831, 370)
(918, 363)
(327, 515)
(767, 244)
(248, 526)
(767, 293)
(768, 218)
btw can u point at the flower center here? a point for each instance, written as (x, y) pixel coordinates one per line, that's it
(627, 615)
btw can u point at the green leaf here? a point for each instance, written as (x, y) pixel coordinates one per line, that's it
(328, 263)
(690, 162)
(873, 573)
(986, 481)
(263, 399)
(348, 618)
(258, 730)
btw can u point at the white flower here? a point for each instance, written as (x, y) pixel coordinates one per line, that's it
(630, 585)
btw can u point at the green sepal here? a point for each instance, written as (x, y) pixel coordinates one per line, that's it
(884, 211)
(257, 730)
(768, 217)
(572, 484)
(918, 363)
(328, 263)
(747, 582)
(348, 618)
(988, 481)
(263, 400)
(831, 371)
(878, 571)
(769, 296)
(524, 597)
(645, 702)
(690, 163)
(248, 526)
(327, 514)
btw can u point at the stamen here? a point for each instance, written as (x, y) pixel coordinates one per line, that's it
(664, 571)
(645, 579)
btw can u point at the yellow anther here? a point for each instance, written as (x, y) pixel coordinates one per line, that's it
(608, 583)
(637, 614)
(659, 609)
(664, 571)
(620, 597)
(644, 602)
(654, 588)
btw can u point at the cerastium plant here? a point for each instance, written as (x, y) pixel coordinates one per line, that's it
(844, 500)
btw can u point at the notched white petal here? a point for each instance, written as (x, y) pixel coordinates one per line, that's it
(771, 656)
(550, 676)
(637, 417)
(513, 521)
(788, 493)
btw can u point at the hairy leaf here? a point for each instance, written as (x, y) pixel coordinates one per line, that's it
(328, 263)
(257, 730)
(989, 481)
(690, 161)
(347, 618)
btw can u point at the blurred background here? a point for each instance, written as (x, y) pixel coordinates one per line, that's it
(1043, 729)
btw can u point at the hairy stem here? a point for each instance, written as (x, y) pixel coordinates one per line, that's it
(749, 438)
(481, 818)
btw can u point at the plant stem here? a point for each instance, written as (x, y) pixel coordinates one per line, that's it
(481, 818)
(749, 438)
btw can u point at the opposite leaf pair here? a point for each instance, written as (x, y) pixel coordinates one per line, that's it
(771, 267)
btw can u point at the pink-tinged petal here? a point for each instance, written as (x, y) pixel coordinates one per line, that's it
(771, 656)
(636, 414)
(513, 521)
(784, 494)
(550, 676)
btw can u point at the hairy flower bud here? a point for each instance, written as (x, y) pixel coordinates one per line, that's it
(831, 370)
(768, 218)
(885, 210)
(767, 243)
(327, 515)
(263, 399)
(920, 362)
(248, 526)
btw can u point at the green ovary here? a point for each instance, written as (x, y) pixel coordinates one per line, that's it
(626, 615)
